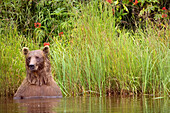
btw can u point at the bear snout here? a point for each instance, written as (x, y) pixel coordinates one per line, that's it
(32, 67)
(32, 64)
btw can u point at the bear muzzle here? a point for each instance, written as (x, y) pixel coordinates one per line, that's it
(33, 67)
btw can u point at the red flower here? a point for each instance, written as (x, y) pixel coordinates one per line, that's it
(110, 1)
(46, 43)
(136, 2)
(164, 8)
(61, 33)
(113, 11)
(164, 15)
(37, 23)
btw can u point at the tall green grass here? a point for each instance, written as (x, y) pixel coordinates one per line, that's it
(12, 61)
(102, 59)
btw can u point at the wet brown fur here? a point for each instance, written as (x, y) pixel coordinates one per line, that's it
(39, 83)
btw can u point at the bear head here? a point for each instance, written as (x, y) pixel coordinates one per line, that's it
(38, 66)
(35, 60)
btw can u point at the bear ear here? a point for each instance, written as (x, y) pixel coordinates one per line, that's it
(46, 49)
(25, 50)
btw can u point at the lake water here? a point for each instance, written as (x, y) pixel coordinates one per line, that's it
(86, 105)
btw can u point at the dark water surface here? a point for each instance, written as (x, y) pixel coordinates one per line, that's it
(86, 105)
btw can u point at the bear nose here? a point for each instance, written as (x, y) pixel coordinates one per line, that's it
(32, 66)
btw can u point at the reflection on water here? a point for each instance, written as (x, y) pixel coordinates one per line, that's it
(86, 104)
(8, 105)
(37, 105)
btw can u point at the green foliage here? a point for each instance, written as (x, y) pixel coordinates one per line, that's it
(130, 15)
(53, 16)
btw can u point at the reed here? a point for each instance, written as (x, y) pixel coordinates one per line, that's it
(103, 59)
(12, 61)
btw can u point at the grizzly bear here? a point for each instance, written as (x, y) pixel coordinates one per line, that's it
(39, 82)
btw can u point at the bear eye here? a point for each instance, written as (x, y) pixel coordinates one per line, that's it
(37, 57)
(29, 58)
